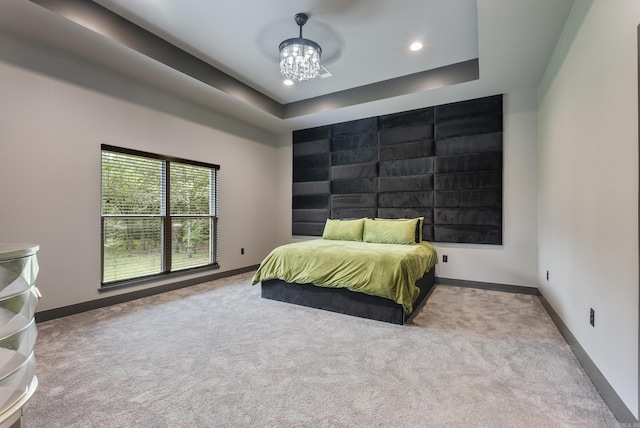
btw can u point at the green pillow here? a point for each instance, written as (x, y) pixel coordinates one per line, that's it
(419, 224)
(343, 230)
(388, 231)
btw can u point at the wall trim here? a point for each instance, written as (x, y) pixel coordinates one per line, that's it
(488, 286)
(121, 298)
(604, 388)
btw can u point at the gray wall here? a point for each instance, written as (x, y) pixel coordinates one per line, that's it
(50, 136)
(588, 186)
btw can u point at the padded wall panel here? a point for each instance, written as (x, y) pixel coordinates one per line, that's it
(355, 127)
(307, 229)
(469, 180)
(312, 147)
(468, 234)
(416, 149)
(406, 118)
(462, 216)
(350, 157)
(468, 177)
(405, 199)
(489, 161)
(367, 200)
(406, 213)
(406, 134)
(317, 160)
(311, 174)
(351, 142)
(310, 202)
(468, 198)
(312, 134)
(468, 126)
(361, 185)
(407, 167)
(317, 216)
(491, 142)
(486, 105)
(354, 171)
(428, 233)
(407, 182)
(312, 188)
(443, 163)
(354, 212)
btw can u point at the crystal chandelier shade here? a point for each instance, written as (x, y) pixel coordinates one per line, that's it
(299, 57)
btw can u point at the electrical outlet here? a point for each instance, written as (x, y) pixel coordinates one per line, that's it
(445, 258)
(592, 317)
(241, 250)
(547, 275)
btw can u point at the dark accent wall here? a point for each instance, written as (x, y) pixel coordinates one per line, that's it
(442, 162)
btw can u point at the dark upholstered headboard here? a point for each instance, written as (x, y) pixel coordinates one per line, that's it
(442, 162)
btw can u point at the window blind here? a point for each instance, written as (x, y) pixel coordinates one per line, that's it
(159, 214)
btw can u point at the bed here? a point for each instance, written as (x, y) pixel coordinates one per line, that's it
(371, 268)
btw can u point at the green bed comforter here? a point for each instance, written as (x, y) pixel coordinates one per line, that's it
(384, 270)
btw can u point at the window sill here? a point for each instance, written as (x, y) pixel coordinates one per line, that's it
(155, 278)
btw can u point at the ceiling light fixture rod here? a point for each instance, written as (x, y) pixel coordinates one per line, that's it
(301, 19)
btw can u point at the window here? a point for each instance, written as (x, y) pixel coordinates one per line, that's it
(159, 215)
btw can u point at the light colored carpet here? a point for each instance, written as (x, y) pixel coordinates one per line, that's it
(217, 355)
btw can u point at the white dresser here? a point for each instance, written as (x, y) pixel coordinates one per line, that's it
(18, 300)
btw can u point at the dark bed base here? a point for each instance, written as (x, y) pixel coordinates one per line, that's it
(346, 302)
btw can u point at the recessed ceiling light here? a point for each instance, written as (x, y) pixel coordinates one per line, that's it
(288, 82)
(415, 46)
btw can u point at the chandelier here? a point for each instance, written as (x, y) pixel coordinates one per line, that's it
(300, 58)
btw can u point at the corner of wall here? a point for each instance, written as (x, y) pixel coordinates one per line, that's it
(574, 20)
